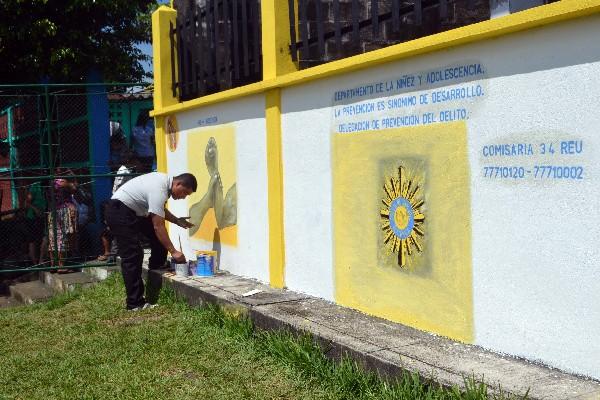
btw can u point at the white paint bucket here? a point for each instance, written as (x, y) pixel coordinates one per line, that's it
(182, 269)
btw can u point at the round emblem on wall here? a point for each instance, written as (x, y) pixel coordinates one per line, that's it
(402, 217)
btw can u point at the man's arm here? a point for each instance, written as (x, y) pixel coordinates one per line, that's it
(161, 233)
(170, 217)
(178, 221)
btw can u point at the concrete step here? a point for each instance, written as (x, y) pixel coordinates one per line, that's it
(101, 273)
(67, 282)
(43, 285)
(31, 292)
(6, 302)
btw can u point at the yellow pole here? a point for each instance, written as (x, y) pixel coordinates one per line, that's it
(163, 80)
(276, 39)
(276, 62)
(275, 189)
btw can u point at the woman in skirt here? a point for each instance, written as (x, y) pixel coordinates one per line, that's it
(62, 235)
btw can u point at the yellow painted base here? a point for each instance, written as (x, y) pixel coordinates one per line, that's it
(433, 291)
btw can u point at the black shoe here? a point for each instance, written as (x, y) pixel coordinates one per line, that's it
(146, 306)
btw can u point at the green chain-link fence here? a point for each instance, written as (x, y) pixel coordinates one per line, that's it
(62, 148)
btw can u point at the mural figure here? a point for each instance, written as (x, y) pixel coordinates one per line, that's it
(402, 217)
(225, 208)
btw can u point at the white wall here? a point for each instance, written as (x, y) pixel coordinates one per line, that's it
(250, 257)
(536, 276)
(535, 257)
(307, 191)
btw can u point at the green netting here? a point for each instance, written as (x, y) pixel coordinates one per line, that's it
(60, 148)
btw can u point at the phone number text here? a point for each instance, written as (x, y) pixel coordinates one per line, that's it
(535, 172)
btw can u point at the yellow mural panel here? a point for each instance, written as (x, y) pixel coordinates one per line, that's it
(213, 207)
(402, 232)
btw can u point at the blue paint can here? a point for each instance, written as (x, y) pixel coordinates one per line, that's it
(210, 264)
(205, 265)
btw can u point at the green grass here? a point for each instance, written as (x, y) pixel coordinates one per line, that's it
(85, 346)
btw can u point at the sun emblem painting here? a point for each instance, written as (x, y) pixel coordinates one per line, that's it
(402, 217)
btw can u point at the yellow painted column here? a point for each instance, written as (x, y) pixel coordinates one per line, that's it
(160, 137)
(163, 79)
(276, 62)
(275, 186)
(276, 39)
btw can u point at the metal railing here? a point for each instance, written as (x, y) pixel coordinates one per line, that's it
(334, 29)
(326, 30)
(218, 43)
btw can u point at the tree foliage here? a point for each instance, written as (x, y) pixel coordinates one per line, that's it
(62, 40)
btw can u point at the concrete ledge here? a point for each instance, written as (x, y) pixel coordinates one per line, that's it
(68, 282)
(377, 344)
(7, 302)
(30, 292)
(42, 285)
(101, 273)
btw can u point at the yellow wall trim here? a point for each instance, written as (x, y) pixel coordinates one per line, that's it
(275, 187)
(528, 19)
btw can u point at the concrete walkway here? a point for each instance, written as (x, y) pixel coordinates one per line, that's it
(377, 344)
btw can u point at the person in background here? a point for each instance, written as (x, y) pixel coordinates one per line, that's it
(130, 166)
(35, 207)
(118, 146)
(143, 140)
(84, 202)
(62, 223)
(138, 208)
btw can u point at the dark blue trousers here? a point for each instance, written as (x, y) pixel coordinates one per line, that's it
(130, 231)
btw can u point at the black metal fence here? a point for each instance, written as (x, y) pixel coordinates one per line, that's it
(325, 30)
(334, 29)
(218, 43)
(60, 148)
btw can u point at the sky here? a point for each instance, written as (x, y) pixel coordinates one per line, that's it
(147, 49)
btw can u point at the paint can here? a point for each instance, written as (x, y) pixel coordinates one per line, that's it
(181, 269)
(203, 266)
(205, 263)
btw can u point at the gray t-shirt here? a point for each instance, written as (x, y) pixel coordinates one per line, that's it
(145, 194)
